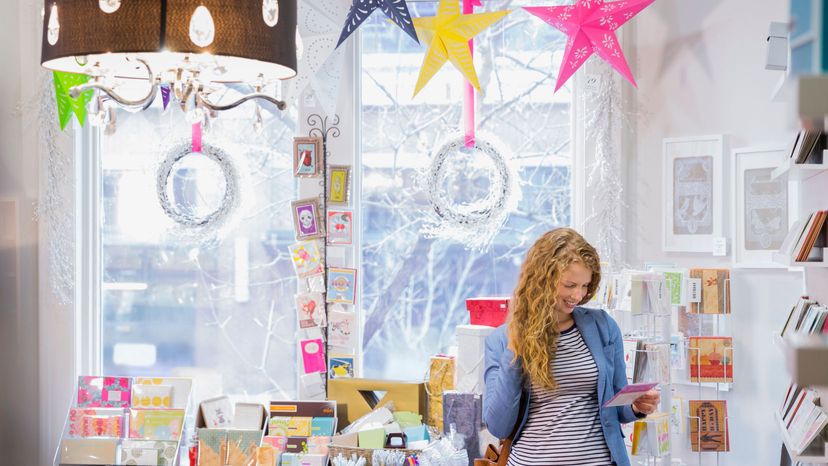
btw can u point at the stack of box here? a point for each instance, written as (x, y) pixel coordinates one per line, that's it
(300, 431)
(118, 420)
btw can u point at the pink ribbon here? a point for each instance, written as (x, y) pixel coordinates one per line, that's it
(197, 137)
(468, 89)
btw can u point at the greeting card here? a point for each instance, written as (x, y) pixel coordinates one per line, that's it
(104, 392)
(181, 387)
(341, 285)
(711, 359)
(340, 224)
(148, 452)
(708, 425)
(278, 429)
(156, 424)
(279, 443)
(342, 327)
(313, 355)
(217, 412)
(306, 258)
(310, 309)
(151, 396)
(96, 422)
(341, 366)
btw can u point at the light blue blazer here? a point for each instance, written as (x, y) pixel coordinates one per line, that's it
(506, 384)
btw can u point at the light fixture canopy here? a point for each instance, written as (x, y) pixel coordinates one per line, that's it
(159, 31)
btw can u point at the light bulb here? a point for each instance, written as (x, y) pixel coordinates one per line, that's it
(53, 30)
(202, 28)
(109, 6)
(300, 46)
(270, 12)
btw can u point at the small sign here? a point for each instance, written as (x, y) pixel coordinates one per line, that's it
(592, 82)
(694, 286)
(720, 246)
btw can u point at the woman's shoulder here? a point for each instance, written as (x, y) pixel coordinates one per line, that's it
(499, 338)
(600, 316)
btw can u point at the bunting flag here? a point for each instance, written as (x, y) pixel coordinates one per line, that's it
(67, 105)
(448, 35)
(591, 26)
(395, 10)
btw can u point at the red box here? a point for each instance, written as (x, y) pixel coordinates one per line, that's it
(488, 311)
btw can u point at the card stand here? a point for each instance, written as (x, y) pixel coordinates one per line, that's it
(704, 455)
(107, 450)
(649, 458)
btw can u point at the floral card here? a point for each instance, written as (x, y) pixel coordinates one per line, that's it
(306, 258)
(340, 226)
(96, 422)
(341, 285)
(342, 327)
(104, 392)
(310, 309)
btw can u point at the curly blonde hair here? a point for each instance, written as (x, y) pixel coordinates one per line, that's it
(533, 322)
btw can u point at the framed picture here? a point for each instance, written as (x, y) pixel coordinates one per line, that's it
(306, 219)
(693, 193)
(340, 226)
(761, 206)
(339, 184)
(341, 285)
(308, 157)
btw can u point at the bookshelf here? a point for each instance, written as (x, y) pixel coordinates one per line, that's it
(805, 458)
(787, 261)
(801, 171)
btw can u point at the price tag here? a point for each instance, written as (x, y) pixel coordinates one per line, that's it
(694, 286)
(720, 246)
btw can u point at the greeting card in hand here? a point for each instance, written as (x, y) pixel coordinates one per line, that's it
(341, 285)
(307, 260)
(340, 226)
(629, 393)
(313, 355)
(342, 328)
(104, 392)
(310, 309)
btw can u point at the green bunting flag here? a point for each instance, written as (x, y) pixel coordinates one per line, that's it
(67, 105)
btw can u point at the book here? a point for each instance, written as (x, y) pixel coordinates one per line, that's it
(715, 291)
(711, 359)
(629, 394)
(708, 426)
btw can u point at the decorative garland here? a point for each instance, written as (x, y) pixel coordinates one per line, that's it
(477, 224)
(216, 220)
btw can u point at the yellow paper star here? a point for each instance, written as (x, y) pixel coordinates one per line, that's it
(448, 36)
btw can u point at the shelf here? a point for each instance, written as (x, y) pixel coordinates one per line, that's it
(789, 445)
(812, 98)
(789, 262)
(806, 357)
(800, 171)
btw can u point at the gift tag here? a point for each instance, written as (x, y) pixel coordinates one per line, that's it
(694, 290)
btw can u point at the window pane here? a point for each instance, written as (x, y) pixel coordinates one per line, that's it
(173, 302)
(415, 287)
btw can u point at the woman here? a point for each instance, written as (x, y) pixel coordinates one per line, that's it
(553, 364)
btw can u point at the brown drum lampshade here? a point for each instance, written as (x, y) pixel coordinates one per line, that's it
(228, 40)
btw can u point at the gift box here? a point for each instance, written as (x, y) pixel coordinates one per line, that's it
(487, 311)
(440, 379)
(357, 397)
(465, 412)
(471, 350)
(104, 392)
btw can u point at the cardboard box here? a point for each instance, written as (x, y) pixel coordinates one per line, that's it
(357, 397)
(471, 351)
(491, 312)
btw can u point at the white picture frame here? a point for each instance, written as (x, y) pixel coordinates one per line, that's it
(763, 208)
(694, 207)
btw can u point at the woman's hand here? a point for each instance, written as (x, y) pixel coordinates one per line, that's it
(647, 403)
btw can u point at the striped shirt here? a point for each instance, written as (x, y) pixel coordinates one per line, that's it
(563, 427)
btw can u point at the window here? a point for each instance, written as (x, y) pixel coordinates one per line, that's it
(414, 287)
(174, 304)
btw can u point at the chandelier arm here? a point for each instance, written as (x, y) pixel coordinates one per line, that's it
(202, 98)
(144, 102)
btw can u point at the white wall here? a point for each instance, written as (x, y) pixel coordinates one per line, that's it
(700, 70)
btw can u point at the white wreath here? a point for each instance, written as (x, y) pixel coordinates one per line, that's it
(476, 224)
(215, 220)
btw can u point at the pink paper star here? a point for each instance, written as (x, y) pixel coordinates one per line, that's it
(591, 25)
